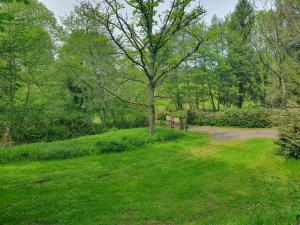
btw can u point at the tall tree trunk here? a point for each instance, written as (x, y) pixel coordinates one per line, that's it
(265, 82)
(12, 75)
(203, 103)
(212, 100)
(241, 95)
(219, 100)
(191, 104)
(178, 101)
(189, 96)
(197, 101)
(282, 92)
(152, 114)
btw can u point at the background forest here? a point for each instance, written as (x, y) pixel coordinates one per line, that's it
(65, 79)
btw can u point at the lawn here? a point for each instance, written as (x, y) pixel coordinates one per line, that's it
(191, 180)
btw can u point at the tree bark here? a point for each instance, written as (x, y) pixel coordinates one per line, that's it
(282, 92)
(219, 100)
(152, 114)
(12, 75)
(178, 102)
(197, 101)
(212, 100)
(241, 95)
(203, 103)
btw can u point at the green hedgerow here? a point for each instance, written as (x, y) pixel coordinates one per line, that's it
(244, 118)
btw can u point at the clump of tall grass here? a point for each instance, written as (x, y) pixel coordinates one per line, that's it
(112, 141)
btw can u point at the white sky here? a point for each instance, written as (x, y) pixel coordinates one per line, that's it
(213, 7)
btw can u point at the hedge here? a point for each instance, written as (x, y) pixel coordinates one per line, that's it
(22, 125)
(244, 118)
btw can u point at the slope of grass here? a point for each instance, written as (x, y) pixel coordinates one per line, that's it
(119, 140)
(187, 181)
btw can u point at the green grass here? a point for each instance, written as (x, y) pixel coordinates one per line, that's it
(187, 181)
(118, 140)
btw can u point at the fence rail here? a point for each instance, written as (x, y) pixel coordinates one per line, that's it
(175, 122)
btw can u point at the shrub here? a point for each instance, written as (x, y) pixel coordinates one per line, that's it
(130, 121)
(35, 124)
(30, 124)
(245, 118)
(162, 116)
(24, 124)
(289, 140)
(71, 125)
(166, 135)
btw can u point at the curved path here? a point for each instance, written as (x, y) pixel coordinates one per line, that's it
(224, 134)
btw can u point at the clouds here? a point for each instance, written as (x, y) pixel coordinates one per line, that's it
(60, 7)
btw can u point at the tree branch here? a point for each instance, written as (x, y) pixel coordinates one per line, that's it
(163, 74)
(121, 99)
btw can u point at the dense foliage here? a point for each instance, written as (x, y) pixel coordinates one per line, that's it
(113, 64)
(254, 118)
(82, 76)
(289, 140)
(35, 124)
(50, 91)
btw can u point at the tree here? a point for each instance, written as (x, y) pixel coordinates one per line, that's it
(26, 46)
(89, 64)
(277, 43)
(144, 40)
(285, 23)
(240, 52)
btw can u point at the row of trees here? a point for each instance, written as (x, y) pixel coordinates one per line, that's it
(248, 58)
(26, 47)
(109, 66)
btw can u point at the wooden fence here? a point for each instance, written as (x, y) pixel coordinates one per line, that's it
(177, 122)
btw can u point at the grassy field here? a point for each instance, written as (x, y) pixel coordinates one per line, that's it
(190, 180)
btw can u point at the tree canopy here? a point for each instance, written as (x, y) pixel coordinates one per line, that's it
(120, 64)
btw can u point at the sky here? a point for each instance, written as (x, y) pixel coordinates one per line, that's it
(213, 7)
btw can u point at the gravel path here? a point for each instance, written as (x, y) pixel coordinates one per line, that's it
(224, 134)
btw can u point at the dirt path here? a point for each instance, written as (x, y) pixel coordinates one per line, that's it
(224, 134)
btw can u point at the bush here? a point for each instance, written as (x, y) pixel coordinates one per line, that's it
(24, 124)
(130, 121)
(289, 140)
(35, 124)
(245, 118)
(113, 141)
(69, 125)
(166, 135)
(30, 124)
